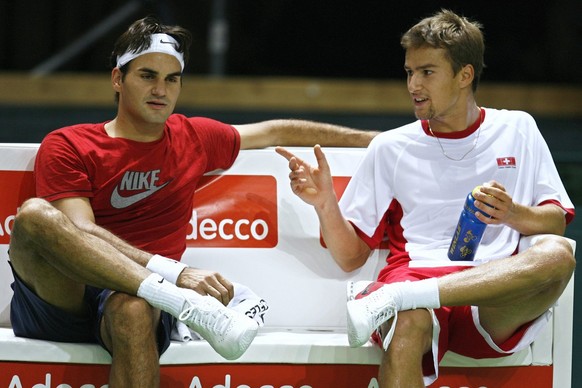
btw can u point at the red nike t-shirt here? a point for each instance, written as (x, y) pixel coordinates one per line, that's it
(141, 192)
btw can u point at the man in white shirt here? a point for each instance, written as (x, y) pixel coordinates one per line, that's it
(410, 187)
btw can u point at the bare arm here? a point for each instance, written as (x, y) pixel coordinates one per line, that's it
(315, 187)
(301, 133)
(79, 210)
(527, 220)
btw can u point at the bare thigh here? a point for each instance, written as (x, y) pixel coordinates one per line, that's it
(542, 274)
(50, 284)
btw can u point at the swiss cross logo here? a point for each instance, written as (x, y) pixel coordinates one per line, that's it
(235, 211)
(506, 162)
(15, 188)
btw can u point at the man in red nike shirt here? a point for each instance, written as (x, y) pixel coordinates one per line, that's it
(96, 257)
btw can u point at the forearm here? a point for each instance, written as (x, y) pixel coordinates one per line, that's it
(135, 254)
(309, 133)
(530, 220)
(345, 246)
(302, 133)
(79, 211)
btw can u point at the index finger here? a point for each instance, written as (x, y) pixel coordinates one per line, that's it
(294, 161)
(284, 153)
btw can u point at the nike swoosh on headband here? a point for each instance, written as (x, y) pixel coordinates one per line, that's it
(159, 43)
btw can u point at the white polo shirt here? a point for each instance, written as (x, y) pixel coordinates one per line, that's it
(406, 188)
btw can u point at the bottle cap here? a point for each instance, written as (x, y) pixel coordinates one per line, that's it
(476, 190)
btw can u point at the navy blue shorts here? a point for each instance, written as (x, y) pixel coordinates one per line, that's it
(32, 317)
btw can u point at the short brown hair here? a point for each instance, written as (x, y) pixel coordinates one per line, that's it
(462, 40)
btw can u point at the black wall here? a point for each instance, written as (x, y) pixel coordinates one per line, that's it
(321, 38)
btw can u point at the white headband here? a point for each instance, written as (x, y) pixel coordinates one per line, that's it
(160, 43)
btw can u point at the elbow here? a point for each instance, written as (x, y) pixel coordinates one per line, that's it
(351, 264)
(558, 227)
(562, 227)
(348, 268)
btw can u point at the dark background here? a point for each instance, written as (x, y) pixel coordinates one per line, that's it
(526, 43)
(538, 43)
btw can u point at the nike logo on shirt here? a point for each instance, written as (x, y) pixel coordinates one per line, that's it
(135, 181)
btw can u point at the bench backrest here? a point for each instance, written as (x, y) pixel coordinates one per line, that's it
(247, 224)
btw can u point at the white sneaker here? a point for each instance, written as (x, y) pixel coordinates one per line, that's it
(229, 333)
(354, 288)
(368, 309)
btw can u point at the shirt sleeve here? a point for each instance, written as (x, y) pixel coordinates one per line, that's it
(59, 171)
(220, 140)
(367, 197)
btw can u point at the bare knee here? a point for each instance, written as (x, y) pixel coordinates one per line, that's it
(557, 256)
(128, 331)
(413, 330)
(33, 216)
(34, 207)
(125, 311)
(402, 362)
(128, 319)
(29, 231)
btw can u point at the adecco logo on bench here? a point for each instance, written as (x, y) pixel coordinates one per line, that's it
(219, 375)
(238, 211)
(235, 211)
(15, 187)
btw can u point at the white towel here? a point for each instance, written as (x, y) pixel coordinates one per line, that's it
(244, 301)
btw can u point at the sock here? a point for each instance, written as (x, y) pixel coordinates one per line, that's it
(164, 295)
(419, 294)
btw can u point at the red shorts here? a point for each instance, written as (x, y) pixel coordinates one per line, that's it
(459, 326)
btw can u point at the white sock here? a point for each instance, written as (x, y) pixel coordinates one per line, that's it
(162, 294)
(419, 294)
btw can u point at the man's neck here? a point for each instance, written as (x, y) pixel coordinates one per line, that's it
(142, 133)
(458, 122)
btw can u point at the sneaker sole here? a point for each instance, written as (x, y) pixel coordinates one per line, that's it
(244, 343)
(354, 339)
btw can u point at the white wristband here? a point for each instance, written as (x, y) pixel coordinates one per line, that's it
(170, 269)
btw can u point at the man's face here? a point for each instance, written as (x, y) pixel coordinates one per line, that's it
(150, 89)
(434, 89)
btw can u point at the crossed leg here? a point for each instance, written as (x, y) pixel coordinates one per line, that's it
(509, 293)
(56, 260)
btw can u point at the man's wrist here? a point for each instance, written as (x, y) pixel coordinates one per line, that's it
(170, 269)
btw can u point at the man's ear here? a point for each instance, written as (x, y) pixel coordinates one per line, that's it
(467, 75)
(116, 79)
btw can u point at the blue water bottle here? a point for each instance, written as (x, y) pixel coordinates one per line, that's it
(468, 232)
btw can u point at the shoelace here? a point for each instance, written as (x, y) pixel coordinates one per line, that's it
(380, 318)
(208, 319)
(388, 337)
